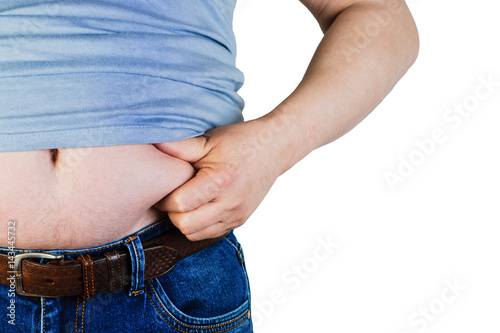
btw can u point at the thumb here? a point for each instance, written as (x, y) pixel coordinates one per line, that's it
(191, 150)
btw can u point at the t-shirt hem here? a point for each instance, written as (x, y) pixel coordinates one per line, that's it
(98, 137)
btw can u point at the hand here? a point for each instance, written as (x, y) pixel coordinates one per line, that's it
(234, 174)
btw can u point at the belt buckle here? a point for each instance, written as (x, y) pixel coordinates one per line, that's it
(19, 274)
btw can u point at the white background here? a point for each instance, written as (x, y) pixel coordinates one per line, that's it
(397, 248)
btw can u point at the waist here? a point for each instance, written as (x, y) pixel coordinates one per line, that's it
(89, 197)
(148, 253)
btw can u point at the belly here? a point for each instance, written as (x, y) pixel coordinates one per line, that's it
(89, 197)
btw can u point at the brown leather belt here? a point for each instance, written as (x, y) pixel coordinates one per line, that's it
(88, 275)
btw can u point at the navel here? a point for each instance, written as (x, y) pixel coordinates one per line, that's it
(53, 155)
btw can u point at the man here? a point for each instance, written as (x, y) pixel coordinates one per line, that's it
(103, 107)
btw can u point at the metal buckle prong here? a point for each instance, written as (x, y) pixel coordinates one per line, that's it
(18, 258)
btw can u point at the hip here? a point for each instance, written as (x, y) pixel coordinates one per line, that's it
(205, 292)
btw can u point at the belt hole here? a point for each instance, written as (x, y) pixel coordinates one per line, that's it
(49, 282)
(80, 279)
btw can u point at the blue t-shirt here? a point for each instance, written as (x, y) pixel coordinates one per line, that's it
(81, 73)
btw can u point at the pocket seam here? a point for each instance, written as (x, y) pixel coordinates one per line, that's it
(238, 251)
(189, 326)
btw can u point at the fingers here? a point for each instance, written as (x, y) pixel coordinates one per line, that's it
(203, 188)
(194, 193)
(199, 223)
(212, 231)
(190, 150)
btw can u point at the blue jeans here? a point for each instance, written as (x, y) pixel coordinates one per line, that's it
(206, 292)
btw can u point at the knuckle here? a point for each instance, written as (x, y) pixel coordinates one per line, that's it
(178, 203)
(184, 226)
(193, 238)
(235, 204)
(225, 179)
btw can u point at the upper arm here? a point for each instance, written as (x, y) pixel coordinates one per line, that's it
(325, 11)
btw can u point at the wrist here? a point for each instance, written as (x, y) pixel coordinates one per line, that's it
(285, 138)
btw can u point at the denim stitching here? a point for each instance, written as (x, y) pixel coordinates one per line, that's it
(233, 245)
(189, 326)
(87, 276)
(98, 249)
(85, 268)
(83, 312)
(199, 327)
(137, 261)
(131, 239)
(92, 272)
(76, 315)
(149, 296)
(112, 271)
(43, 303)
(236, 249)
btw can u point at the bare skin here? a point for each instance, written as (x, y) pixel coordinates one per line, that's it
(87, 197)
(114, 191)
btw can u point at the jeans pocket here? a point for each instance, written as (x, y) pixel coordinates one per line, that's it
(206, 292)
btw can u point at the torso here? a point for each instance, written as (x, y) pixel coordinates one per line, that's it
(89, 197)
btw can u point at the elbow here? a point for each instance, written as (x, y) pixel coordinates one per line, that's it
(411, 39)
(413, 45)
(401, 28)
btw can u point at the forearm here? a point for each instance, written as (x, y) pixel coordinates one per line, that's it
(238, 163)
(353, 69)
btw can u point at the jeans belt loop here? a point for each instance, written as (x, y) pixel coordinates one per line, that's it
(137, 259)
